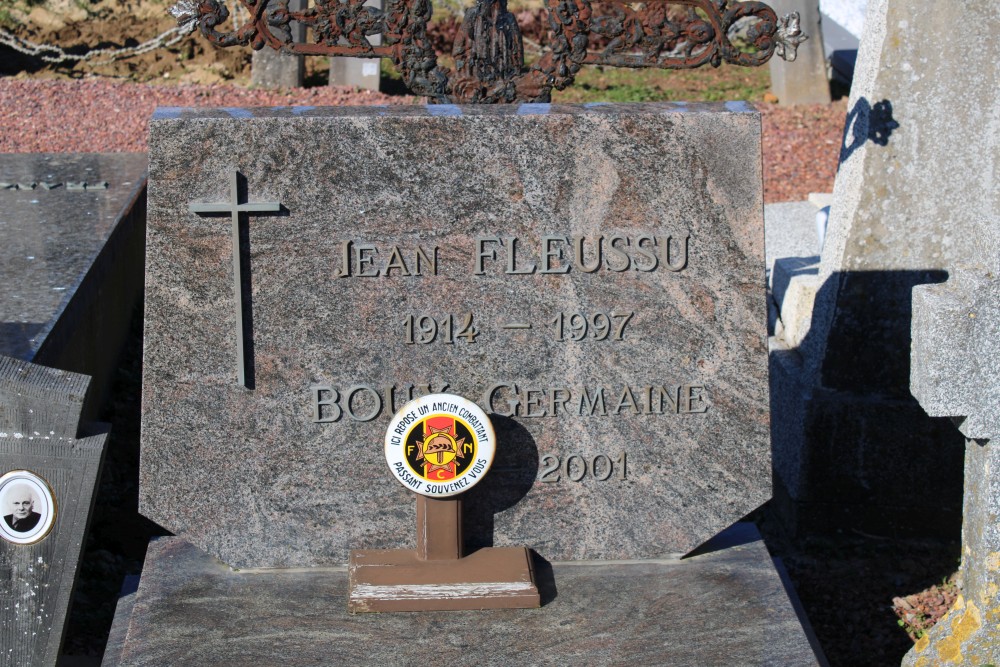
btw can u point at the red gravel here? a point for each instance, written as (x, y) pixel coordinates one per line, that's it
(801, 144)
(102, 116)
(801, 149)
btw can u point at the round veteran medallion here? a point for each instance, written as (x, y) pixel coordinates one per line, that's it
(440, 445)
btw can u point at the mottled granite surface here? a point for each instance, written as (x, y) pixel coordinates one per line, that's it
(955, 368)
(956, 363)
(50, 238)
(726, 607)
(248, 475)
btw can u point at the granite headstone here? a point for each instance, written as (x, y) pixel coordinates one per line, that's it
(364, 73)
(273, 69)
(592, 276)
(51, 465)
(955, 366)
(956, 363)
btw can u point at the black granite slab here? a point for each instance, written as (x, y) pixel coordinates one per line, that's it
(41, 438)
(72, 228)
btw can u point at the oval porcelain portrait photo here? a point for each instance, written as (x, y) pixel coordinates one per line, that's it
(29, 508)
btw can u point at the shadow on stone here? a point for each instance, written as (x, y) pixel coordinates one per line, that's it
(118, 536)
(867, 486)
(512, 475)
(868, 123)
(16, 337)
(545, 578)
(246, 281)
(868, 347)
(852, 449)
(741, 532)
(246, 287)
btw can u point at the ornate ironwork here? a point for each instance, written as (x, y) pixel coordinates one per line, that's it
(488, 50)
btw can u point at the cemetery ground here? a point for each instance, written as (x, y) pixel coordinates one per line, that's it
(853, 586)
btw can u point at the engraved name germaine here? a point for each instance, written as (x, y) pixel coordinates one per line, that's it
(365, 402)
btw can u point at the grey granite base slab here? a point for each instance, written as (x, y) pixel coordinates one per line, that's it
(790, 231)
(726, 607)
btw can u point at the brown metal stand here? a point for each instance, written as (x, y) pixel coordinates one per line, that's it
(436, 576)
(439, 528)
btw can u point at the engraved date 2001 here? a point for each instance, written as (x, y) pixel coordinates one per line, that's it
(577, 467)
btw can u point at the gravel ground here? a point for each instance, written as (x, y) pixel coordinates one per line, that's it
(801, 144)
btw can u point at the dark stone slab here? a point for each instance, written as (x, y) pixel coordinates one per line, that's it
(36, 579)
(721, 608)
(119, 627)
(629, 478)
(70, 259)
(37, 401)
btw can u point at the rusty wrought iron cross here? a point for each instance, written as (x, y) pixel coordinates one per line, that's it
(488, 50)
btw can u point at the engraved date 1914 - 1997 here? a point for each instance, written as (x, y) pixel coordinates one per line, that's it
(564, 326)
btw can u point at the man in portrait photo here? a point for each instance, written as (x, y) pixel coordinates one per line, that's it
(21, 500)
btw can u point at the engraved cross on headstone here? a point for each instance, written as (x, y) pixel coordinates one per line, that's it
(235, 208)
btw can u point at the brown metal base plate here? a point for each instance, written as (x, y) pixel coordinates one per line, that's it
(396, 580)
